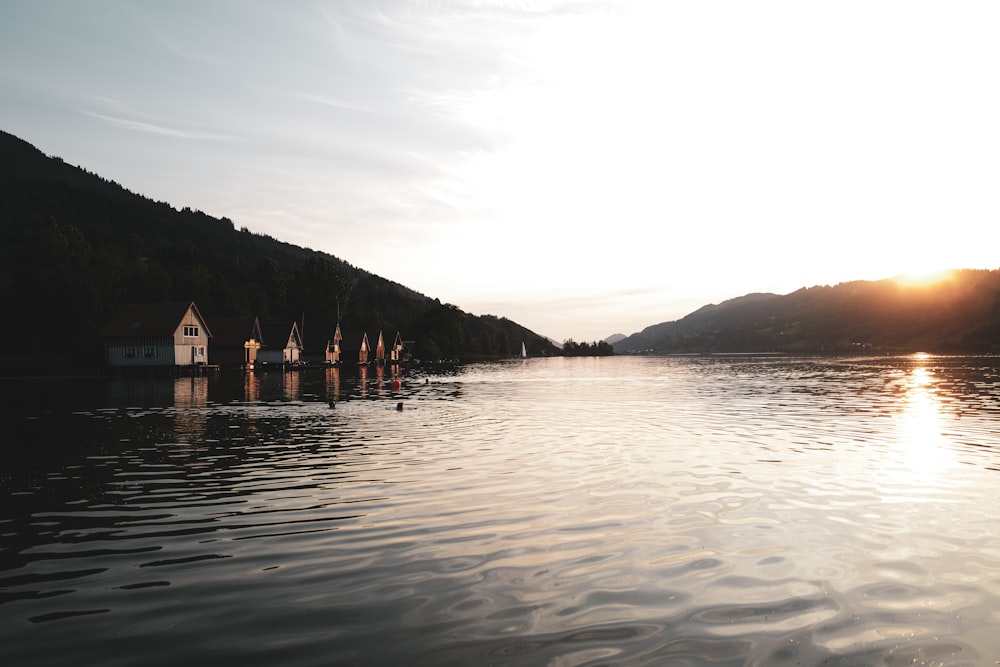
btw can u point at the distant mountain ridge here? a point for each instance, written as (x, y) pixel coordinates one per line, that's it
(960, 314)
(73, 245)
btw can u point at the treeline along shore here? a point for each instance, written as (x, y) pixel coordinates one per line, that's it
(75, 247)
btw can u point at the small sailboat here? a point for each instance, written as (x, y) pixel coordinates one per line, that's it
(524, 351)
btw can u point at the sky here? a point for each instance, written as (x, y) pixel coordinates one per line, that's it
(582, 168)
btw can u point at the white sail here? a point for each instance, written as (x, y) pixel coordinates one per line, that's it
(524, 351)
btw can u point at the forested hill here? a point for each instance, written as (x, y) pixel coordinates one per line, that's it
(959, 314)
(74, 245)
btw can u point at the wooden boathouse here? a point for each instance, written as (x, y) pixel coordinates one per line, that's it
(157, 335)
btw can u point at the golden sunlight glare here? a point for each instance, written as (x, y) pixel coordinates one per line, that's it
(924, 445)
(924, 277)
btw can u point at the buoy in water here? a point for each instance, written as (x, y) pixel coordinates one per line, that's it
(396, 385)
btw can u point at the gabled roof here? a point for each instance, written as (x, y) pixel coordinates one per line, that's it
(376, 342)
(316, 335)
(234, 331)
(276, 333)
(352, 340)
(150, 319)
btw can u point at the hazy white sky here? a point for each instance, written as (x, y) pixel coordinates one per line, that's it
(583, 168)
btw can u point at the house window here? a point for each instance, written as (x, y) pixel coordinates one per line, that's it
(201, 352)
(149, 351)
(190, 332)
(130, 353)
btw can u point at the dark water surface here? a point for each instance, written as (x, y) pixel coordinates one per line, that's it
(632, 511)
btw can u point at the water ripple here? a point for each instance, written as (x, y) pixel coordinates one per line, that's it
(709, 510)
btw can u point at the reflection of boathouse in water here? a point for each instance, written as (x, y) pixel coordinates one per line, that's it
(333, 384)
(190, 400)
(183, 399)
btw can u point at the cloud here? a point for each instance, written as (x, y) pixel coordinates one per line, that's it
(343, 104)
(159, 128)
(503, 153)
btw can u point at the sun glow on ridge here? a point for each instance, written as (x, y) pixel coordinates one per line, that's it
(924, 277)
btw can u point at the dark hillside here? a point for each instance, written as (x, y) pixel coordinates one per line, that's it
(960, 314)
(73, 245)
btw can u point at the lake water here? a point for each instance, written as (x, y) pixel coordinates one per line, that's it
(628, 510)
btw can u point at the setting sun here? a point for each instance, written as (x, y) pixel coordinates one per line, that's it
(923, 278)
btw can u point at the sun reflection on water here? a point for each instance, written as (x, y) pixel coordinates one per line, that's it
(923, 444)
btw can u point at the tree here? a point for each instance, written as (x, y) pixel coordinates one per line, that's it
(442, 329)
(319, 287)
(272, 283)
